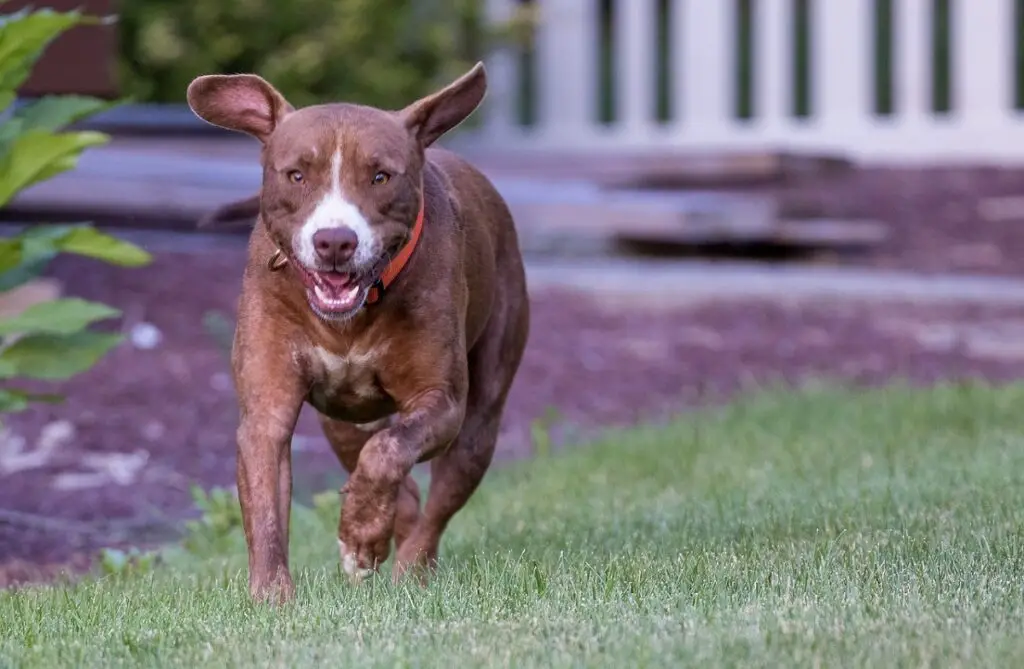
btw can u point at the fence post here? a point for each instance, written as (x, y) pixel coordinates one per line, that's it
(635, 48)
(499, 105)
(567, 63)
(841, 66)
(912, 21)
(773, 67)
(706, 31)
(983, 83)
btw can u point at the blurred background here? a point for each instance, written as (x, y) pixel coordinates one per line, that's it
(712, 196)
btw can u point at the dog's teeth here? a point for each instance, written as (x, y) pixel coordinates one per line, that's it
(325, 296)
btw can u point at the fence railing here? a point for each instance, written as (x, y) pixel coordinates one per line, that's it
(890, 80)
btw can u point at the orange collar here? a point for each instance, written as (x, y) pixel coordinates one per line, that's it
(400, 260)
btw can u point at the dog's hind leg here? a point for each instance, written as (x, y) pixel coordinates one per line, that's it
(456, 474)
(347, 441)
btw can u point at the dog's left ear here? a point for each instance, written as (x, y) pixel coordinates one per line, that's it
(436, 114)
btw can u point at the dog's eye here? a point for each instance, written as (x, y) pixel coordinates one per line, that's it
(380, 178)
(295, 176)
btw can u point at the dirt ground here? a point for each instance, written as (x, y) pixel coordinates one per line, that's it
(942, 219)
(113, 464)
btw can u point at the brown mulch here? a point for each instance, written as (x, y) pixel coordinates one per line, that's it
(146, 424)
(933, 214)
(938, 217)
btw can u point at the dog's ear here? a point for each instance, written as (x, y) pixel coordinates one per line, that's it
(430, 117)
(241, 102)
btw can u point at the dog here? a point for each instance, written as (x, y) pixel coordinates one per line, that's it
(385, 288)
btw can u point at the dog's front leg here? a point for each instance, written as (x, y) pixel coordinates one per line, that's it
(426, 426)
(269, 410)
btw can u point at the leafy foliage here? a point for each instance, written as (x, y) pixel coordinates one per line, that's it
(379, 52)
(220, 518)
(48, 341)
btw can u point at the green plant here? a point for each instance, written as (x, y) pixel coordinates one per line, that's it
(540, 431)
(379, 52)
(49, 340)
(220, 516)
(116, 562)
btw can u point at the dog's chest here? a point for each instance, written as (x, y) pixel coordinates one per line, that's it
(346, 386)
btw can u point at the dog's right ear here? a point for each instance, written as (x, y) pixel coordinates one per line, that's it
(241, 102)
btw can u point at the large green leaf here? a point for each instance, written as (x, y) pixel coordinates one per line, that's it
(62, 316)
(7, 370)
(9, 131)
(10, 254)
(55, 112)
(88, 241)
(26, 255)
(32, 156)
(52, 357)
(58, 166)
(52, 113)
(23, 273)
(32, 247)
(13, 400)
(24, 36)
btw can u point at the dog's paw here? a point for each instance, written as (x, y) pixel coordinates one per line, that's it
(366, 528)
(350, 564)
(274, 590)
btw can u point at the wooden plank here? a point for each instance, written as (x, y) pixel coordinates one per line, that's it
(681, 171)
(823, 233)
(1002, 208)
(832, 233)
(697, 215)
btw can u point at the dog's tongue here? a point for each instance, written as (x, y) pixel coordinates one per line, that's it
(336, 281)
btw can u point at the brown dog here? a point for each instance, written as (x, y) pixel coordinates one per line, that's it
(384, 287)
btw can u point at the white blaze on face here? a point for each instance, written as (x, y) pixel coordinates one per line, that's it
(335, 211)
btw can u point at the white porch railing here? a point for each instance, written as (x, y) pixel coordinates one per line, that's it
(983, 124)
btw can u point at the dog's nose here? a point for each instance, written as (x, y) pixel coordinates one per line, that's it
(335, 245)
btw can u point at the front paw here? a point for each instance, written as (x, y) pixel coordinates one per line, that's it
(366, 528)
(274, 588)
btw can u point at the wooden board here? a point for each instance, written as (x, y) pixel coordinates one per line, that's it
(807, 234)
(664, 169)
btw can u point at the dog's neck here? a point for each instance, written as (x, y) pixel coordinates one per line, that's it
(391, 270)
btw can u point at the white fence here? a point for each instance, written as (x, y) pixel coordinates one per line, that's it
(984, 122)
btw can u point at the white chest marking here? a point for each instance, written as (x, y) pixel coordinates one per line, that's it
(354, 372)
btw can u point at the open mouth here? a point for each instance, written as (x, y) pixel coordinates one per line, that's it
(332, 294)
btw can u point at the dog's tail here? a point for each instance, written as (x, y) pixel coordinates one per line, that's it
(234, 213)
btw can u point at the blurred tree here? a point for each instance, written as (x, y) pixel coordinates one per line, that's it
(379, 52)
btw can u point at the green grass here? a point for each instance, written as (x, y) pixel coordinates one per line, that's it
(828, 528)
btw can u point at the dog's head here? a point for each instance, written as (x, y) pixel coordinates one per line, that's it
(342, 183)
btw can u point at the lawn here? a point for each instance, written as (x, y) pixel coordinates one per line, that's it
(826, 528)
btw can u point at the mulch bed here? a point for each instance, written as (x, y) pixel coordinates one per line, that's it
(139, 429)
(933, 214)
(938, 218)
